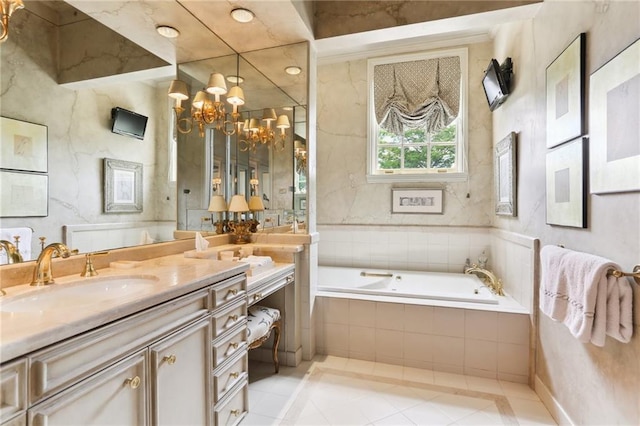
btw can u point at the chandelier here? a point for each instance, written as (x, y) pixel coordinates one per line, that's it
(204, 110)
(8, 7)
(255, 133)
(300, 154)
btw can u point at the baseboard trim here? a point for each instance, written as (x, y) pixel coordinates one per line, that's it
(554, 407)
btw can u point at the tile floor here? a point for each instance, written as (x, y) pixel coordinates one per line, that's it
(339, 391)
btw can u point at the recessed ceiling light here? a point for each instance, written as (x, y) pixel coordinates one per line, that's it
(167, 31)
(293, 70)
(236, 79)
(242, 15)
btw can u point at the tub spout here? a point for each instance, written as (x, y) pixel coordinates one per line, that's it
(494, 284)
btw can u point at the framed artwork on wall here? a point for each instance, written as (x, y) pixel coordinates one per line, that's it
(505, 176)
(23, 194)
(429, 201)
(23, 145)
(614, 120)
(122, 186)
(565, 87)
(566, 204)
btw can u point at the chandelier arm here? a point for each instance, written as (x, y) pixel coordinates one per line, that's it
(188, 125)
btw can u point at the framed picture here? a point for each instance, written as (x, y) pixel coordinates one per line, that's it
(565, 94)
(504, 166)
(122, 186)
(566, 204)
(23, 146)
(614, 112)
(428, 201)
(23, 194)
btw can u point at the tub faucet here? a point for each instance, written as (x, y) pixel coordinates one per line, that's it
(494, 284)
(42, 274)
(13, 255)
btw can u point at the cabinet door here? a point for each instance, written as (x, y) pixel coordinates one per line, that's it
(181, 377)
(115, 396)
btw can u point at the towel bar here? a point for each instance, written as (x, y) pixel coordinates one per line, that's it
(635, 274)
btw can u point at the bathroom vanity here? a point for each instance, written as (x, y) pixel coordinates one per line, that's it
(172, 352)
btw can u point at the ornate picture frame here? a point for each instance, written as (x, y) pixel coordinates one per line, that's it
(122, 186)
(566, 184)
(565, 86)
(505, 176)
(614, 161)
(421, 201)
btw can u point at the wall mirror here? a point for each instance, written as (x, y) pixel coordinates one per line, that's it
(79, 134)
(268, 170)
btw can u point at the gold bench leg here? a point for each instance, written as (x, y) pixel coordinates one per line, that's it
(276, 341)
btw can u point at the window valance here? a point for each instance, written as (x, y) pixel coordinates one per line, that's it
(424, 93)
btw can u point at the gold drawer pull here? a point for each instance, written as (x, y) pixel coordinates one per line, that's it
(233, 317)
(235, 412)
(232, 292)
(234, 375)
(290, 278)
(234, 345)
(133, 383)
(257, 296)
(170, 359)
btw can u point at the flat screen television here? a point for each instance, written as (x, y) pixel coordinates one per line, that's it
(496, 82)
(128, 123)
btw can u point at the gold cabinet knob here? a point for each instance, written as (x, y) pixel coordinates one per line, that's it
(234, 345)
(169, 359)
(289, 278)
(233, 291)
(233, 317)
(133, 383)
(235, 412)
(257, 296)
(234, 375)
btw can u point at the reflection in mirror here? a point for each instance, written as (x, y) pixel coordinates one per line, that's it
(247, 162)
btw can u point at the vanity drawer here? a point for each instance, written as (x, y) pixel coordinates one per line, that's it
(233, 409)
(228, 317)
(225, 379)
(228, 291)
(13, 389)
(224, 347)
(261, 291)
(61, 365)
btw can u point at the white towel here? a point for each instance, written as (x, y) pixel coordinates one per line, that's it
(576, 291)
(24, 246)
(257, 260)
(145, 238)
(201, 243)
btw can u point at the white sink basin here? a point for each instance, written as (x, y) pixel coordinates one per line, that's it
(86, 292)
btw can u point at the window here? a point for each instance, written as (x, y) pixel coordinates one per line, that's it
(426, 141)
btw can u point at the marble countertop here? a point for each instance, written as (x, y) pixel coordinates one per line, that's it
(22, 332)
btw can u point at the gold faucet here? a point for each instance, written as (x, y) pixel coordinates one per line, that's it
(89, 269)
(42, 274)
(494, 284)
(13, 255)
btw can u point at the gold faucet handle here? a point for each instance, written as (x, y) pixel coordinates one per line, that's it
(89, 269)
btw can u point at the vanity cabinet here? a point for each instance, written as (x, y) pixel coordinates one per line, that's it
(156, 367)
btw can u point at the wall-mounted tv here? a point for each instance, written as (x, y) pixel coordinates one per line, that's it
(496, 82)
(128, 123)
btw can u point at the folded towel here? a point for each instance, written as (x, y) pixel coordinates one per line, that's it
(576, 290)
(24, 246)
(201, 243)
(257, 260)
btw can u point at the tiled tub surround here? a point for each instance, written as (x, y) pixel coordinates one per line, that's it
(454, 339)
(457, 340)
(435, 249)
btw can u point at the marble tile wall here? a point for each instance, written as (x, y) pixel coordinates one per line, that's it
(345, 197)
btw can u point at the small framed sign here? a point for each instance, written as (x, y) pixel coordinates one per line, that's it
(426, 201)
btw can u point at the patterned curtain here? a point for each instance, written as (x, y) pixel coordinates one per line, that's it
(416, 94)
